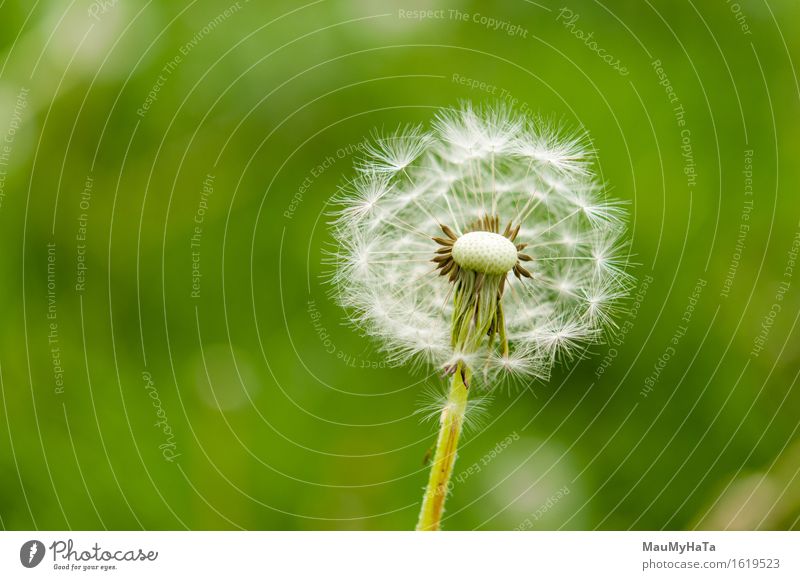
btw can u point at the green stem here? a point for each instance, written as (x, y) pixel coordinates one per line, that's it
(444, 458)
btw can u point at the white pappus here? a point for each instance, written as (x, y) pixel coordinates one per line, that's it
(485, 243)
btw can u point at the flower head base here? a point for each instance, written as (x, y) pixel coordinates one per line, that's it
(485, 252)
(428, 203)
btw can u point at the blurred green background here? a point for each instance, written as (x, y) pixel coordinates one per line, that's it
(170, 356)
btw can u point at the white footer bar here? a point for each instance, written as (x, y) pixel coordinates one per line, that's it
(401, 555)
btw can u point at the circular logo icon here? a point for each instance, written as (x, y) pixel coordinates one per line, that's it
(31, 553)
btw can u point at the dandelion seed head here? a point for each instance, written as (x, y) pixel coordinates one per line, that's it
(485, 241)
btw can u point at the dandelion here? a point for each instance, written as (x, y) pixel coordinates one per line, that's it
(484, 247)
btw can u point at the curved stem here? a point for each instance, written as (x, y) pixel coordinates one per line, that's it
(445, 455)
